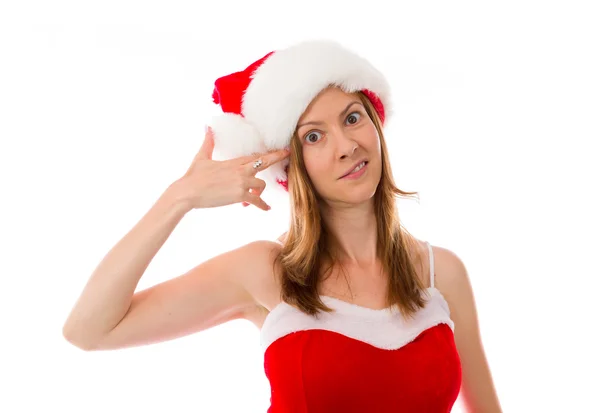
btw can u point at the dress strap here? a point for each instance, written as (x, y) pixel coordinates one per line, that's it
(431, 269)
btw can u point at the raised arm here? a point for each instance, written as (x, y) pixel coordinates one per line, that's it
(109, 315)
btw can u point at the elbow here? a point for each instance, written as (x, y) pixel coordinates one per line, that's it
(76, 339)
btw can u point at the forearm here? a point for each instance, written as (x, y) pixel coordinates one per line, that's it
(107, 295)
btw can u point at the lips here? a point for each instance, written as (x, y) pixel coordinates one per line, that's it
(353, 167)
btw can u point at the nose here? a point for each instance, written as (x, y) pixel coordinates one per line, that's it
(345, 145)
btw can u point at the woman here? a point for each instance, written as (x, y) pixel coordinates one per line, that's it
(352, 315)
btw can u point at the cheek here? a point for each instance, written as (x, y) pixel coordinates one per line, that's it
(315, 165)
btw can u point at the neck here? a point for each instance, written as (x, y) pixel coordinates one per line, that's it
(355, 231)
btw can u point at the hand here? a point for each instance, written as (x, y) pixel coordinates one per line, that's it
(210, 183)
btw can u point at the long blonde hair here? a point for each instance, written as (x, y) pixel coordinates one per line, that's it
(306, 248)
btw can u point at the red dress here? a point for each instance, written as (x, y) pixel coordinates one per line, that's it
(357, 359)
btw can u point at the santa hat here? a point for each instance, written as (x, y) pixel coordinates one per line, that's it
(263, 103)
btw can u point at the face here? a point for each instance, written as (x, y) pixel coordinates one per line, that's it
(336, 135)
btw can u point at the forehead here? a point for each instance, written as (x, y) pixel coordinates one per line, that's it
(329, 99)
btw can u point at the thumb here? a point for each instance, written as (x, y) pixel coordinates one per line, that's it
(206, 150)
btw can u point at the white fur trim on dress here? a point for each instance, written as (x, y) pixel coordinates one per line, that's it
(284, 85)
(386, 329)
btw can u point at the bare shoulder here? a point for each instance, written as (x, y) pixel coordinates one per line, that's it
(262, 279)
(447, 265)
(451, 277)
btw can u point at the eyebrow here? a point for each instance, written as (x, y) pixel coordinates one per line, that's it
(321, 122)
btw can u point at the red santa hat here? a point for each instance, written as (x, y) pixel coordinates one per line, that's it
(263, 103)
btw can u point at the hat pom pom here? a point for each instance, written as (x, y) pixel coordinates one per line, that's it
(234, 136)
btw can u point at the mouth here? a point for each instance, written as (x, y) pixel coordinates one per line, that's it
(358, 167)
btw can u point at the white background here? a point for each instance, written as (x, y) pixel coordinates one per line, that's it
(103, 105)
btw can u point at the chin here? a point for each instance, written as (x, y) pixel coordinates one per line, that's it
(357, 192)
(355, 196)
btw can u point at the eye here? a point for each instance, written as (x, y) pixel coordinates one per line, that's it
(312, 137)
(353, 118)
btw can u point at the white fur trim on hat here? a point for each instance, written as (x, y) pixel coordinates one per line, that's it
(285, 84)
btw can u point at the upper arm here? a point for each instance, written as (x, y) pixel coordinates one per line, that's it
(214, 292)
(477, 388)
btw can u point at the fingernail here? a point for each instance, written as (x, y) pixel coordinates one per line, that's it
(268, 208)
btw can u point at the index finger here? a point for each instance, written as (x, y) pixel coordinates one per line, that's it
(268, 159)
(277, 156)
